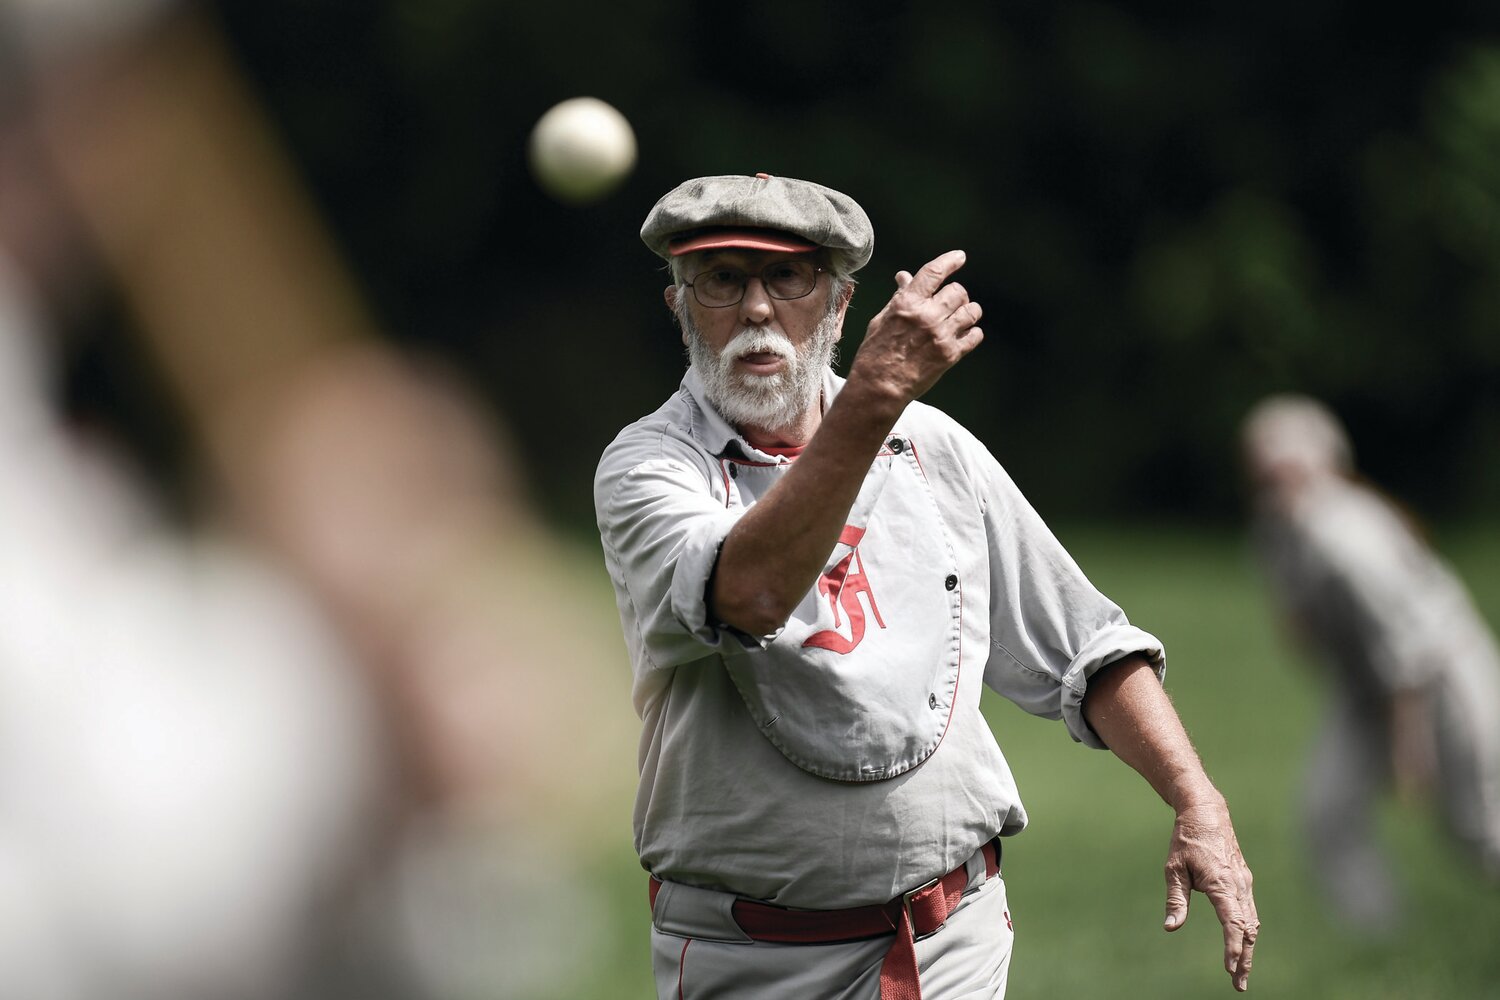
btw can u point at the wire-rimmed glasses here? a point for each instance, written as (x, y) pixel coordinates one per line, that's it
(723, 286)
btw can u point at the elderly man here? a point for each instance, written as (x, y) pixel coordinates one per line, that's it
(815, 577)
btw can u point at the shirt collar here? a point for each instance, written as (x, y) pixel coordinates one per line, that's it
(716, 434)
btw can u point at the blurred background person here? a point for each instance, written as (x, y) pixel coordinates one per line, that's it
(300, 740)
(1412, 670)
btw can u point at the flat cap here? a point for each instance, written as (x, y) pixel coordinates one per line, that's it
(760, 212)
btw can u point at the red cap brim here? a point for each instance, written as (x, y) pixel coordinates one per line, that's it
(743, 239)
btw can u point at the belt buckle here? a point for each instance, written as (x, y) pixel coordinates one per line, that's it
(910, 919)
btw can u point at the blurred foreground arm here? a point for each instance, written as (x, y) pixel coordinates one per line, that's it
(1130, 711)
(373, 475)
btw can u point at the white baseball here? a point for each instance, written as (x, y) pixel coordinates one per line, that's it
(581, 149)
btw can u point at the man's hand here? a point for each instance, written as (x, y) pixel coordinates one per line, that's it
(922, 332)
(1206, 856)
(1128, 709)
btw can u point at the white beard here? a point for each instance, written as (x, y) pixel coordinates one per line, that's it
(767, 402)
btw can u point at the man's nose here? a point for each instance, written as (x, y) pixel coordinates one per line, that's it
(755, 307)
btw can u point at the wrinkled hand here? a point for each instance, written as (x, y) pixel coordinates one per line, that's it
(922, 332)
(1206, 856)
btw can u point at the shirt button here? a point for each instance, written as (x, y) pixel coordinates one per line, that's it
(932, 701)
(952, 581)
(897, 444)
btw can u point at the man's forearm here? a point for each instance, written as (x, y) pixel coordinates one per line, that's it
(1131, 713)
(772, 557)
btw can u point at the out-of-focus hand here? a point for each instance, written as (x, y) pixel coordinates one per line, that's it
(1414, 754)
(922, 332)
(1205, 855)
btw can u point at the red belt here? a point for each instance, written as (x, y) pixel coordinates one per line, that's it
(909, 916)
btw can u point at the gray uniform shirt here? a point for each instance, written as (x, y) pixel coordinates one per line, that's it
(1376, 602)
(843, 759)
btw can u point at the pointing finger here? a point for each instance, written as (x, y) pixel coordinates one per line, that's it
(903, 278)
(930, 277)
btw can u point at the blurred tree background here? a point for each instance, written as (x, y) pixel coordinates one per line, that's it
(1170, 209)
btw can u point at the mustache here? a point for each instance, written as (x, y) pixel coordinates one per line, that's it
(758, 340)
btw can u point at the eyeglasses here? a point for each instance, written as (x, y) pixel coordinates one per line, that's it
(720, 287)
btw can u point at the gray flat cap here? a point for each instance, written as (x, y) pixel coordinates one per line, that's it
(760, 212)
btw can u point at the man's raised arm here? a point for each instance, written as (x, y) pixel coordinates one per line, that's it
(772, 557)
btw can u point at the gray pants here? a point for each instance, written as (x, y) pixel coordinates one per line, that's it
(699, 952)
(1349, 769)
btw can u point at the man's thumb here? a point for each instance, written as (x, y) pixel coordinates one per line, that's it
(1177, 900)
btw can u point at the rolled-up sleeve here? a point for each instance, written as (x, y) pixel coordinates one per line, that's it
(661, 529)
(1051, 630)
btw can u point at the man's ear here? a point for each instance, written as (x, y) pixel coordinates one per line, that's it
(669, 296)
(845, 297)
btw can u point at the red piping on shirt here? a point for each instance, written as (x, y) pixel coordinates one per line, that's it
(912, 447)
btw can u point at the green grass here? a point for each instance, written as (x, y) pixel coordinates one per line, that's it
(1085, 878)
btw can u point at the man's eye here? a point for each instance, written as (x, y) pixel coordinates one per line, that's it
(723, 276)
(781, 272)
